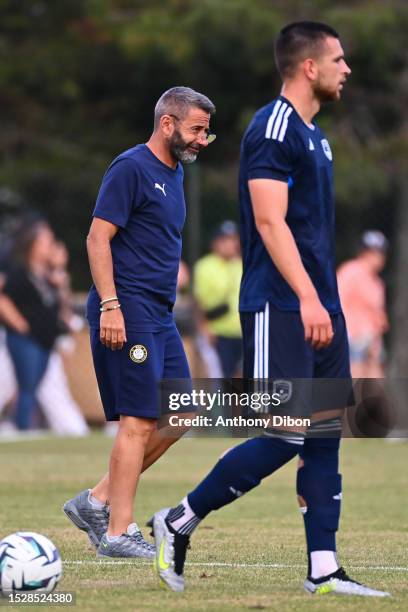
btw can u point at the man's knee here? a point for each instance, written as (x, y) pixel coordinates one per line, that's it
(137, 427)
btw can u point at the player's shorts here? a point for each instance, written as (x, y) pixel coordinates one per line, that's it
(129, 379)
(275, 348)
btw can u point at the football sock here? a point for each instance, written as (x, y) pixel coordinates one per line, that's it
(319, 494)
(182, 518)
(241, 469)
(323, 563)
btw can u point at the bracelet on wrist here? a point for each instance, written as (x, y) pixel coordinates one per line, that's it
(111, 299)
(106, 308)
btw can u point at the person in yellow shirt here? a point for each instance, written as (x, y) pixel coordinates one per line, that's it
(217, 278)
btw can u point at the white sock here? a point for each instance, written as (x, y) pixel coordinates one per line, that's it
(324, 562)
(182, 518)
(96, 503)
(112, 538)
(132, 528)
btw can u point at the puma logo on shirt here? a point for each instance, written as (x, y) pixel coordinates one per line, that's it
(157, 186)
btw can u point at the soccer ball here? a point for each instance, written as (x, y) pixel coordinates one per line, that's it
(28, 562)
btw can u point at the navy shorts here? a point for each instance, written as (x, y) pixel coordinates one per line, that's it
(275, 348)
(129, 379)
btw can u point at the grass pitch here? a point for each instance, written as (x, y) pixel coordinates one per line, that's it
(248, 556)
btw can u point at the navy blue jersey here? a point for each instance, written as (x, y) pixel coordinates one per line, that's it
(279, 145)
(145, 199)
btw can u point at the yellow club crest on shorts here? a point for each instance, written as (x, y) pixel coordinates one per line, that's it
(138, 353)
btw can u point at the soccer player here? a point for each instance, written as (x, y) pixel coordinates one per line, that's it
(291, 315)
(134, 248)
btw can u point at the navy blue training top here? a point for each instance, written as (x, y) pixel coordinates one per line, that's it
(279, 145)
(145, 199)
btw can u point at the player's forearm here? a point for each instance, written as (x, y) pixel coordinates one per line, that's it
(100, 261)
(281, 246)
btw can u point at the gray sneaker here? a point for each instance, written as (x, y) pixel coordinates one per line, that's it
(94, 521)
(129, 544)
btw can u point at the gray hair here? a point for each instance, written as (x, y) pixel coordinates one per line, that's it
(178, 100)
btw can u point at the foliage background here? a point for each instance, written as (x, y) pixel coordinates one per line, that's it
(79, 80)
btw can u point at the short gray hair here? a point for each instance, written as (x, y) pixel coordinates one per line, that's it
(178, 100)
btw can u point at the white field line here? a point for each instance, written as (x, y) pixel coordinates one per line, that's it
(373, 568)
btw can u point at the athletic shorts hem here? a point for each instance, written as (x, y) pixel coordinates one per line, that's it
(141, 415)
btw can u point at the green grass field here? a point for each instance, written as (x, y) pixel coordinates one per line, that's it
(248, 556)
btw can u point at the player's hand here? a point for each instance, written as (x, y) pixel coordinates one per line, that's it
(316, 322)
(113, 333)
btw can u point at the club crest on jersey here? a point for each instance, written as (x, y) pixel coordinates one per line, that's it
(326, 149)
(138, 353)
(284, 389)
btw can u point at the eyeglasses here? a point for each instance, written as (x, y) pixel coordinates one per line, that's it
(196, 131)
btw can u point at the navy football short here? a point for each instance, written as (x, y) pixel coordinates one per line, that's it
(129, 379)
(275, 348)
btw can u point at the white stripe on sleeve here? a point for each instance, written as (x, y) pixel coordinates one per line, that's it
(278, 122)
(284, 125)
(271, 119)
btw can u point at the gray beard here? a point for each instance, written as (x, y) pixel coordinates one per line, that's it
(183, 155)
(179, 150)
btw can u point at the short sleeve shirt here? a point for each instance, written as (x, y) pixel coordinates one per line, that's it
(278, 145)
(145, 199)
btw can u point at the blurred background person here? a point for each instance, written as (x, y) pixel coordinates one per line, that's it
(362, 294)
(7, 379)
(59, 277)
(60, 410)
(29, 308)
(184, 305)
(187, 315)
(217, 278)
(62, 413)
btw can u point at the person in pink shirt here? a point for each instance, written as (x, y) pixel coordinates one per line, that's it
(362, 294)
